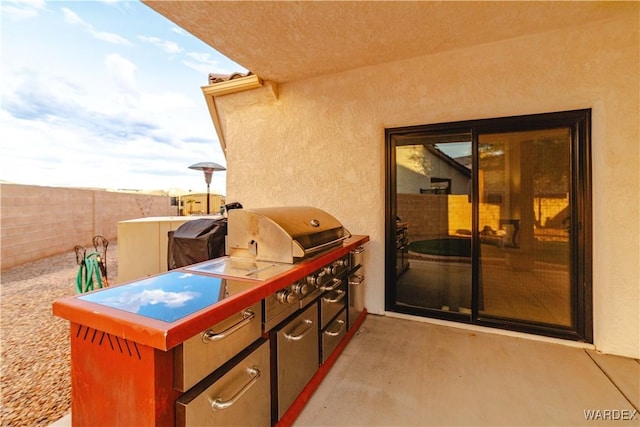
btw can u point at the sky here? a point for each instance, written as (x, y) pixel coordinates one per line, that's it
(104, 94)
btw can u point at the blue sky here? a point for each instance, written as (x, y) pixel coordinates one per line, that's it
(104, 94)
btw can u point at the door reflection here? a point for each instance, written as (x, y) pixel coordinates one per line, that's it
(434, 222)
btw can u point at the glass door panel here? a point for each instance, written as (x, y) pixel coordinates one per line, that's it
(523, 226)
(434, 222)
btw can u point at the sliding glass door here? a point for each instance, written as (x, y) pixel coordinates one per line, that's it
(524, 218)
(488, 222)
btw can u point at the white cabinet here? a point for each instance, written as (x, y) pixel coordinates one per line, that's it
(142, 245)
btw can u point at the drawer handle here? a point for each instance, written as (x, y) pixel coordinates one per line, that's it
(307, 329)
(340, 293)
(336, 284)
(218, 404)
(356, 279)
(339, 331)
(212, 336)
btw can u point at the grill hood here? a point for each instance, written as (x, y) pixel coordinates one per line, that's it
(282, 234)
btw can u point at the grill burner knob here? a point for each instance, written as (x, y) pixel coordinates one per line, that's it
(315, 279)
(285, 296)
(330, 270)
(300, 288)
(342, 262)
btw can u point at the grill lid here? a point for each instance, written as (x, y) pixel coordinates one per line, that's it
(282, 234)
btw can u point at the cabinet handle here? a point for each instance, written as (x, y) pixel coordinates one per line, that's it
(307, 329)
(356, 279)
(339, 331)
(340, 293)
(336, 284)
(212, 336)
(218, 404)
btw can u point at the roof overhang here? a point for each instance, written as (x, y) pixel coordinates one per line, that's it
(283, 41)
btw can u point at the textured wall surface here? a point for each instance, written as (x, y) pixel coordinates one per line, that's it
(321, 142)
(42, 221)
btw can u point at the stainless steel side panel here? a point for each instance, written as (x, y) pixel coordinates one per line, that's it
(331, 303)
(240, 397)
(357, 257)
(333, 334)
(356, 295)
(297, 356)
(201, 354)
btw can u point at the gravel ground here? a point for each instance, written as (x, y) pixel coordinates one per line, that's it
(35, 363)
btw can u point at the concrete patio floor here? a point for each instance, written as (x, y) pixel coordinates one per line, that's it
(400, 372)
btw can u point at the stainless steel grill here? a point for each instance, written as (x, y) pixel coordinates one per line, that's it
(282, 234)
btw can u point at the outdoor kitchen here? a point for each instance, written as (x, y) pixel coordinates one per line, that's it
(242, 339)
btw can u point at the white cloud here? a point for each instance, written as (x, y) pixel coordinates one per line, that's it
(61, 133)
(165, 45)
(22, 9)
(72, 18)
(122, 71)
(179, 30)
(205, 63)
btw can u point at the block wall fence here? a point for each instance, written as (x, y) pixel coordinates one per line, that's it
(438, 215)
(38, 222)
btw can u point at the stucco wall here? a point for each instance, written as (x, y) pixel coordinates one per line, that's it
(321, 142)
(42, 221)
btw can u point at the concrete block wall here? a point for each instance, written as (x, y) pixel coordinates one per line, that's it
(38, 222)
(439, 215)
(427, 215)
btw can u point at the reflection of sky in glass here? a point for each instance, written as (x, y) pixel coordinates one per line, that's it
(167, 297)
(455, 149)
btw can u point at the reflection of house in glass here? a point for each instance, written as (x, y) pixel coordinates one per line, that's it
(523, 182)
(427, 169)
(434, 186)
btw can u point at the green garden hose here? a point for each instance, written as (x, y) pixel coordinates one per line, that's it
(89, 273)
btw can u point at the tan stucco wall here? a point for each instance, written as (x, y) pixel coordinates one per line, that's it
(322, 142)
(43, 221)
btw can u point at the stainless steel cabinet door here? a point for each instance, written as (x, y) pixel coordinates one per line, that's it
(297, 356)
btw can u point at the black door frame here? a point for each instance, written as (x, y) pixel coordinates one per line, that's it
(579, 121)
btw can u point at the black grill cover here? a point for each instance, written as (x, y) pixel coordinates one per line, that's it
(196, 241)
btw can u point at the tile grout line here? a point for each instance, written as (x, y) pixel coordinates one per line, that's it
(612, 381)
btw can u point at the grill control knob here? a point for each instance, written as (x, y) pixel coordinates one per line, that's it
(342, 262)
(285, 296)
(300, 288)
(330, 270)
(315, 279)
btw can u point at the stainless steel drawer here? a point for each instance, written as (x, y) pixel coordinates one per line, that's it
(331, 303)
(333, 334)
(201, 354)
(237, 397)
